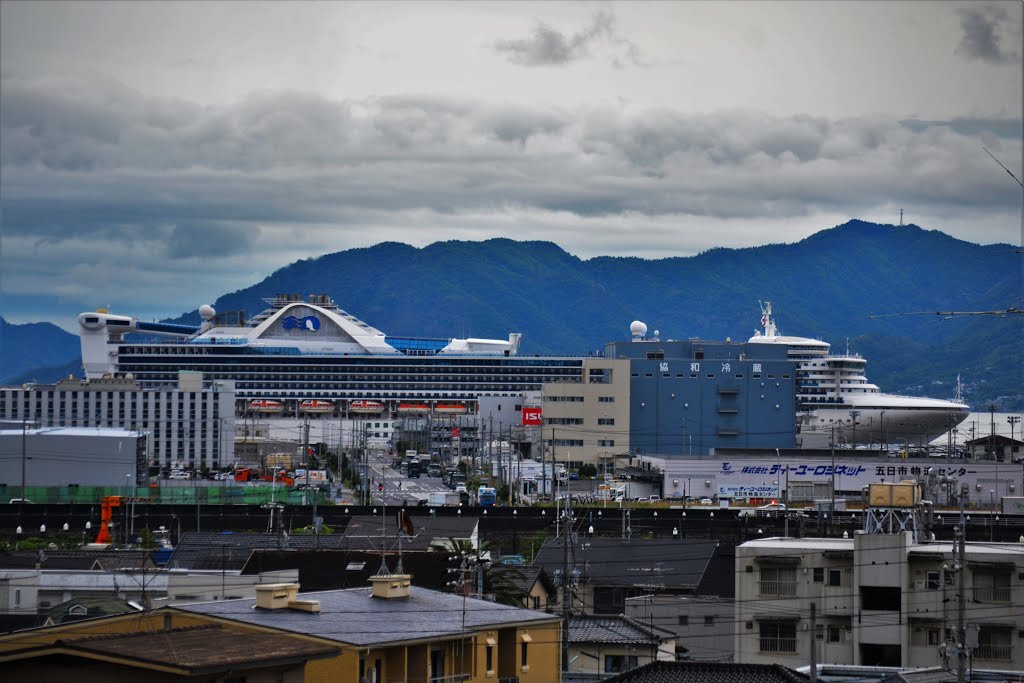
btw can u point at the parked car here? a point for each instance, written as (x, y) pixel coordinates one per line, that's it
(706, 501)
(771, 510)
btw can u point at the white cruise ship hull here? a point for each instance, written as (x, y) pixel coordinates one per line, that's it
(879, 419)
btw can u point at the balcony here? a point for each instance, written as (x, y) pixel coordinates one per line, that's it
(996, 652)
(783, 588)
(772, 644)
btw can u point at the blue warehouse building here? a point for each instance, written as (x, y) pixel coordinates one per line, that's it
(689, 397)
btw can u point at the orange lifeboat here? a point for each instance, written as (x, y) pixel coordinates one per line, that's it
(450, 409)
(366, 407)
(414, 408)
(266, 405)
(316, 405)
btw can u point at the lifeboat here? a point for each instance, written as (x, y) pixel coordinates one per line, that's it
(316, 405)
(365, 407)
(450, 409)
(416, 408)
(266, 405)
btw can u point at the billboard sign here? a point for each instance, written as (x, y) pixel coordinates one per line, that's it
(532, 417)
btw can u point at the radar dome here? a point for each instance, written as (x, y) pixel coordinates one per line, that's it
(637, 328)
(206, 312)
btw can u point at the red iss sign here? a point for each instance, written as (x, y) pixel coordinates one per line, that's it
(532, 416)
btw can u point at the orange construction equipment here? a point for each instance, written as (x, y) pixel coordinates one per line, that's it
(107, 516)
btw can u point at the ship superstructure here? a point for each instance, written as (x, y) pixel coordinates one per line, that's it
(837, 404)
(306, 355)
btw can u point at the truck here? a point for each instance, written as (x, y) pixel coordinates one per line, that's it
(413, 469)
(443, 498)
(486, 496)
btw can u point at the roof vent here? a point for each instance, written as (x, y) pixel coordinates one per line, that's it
(283, 595)
(393, 586)
(276, 595)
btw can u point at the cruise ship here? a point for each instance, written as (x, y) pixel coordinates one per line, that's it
(837, 405)
(300, 356)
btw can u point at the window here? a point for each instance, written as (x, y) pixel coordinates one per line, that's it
(523, 658)
(17, 597)
(819, 575)
(778, 581)
(835, 634)
(607, 443)
(606, 420)
(536, 602)
(618, 663)
(684, 620)
(933, 581)
(709, 620)
(778, 636)
(606, 399)
(834, 577)
(991, 586)
(994, 643)
(819, 632)
(489, 658)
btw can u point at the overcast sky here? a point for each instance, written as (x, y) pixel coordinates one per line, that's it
(157, 155)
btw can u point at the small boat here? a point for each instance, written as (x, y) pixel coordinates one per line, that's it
(266, 405)
(450, 409)
(316, 405)
(365, 407)
(418, 408)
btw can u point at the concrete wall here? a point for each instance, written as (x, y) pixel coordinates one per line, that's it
(59, 457)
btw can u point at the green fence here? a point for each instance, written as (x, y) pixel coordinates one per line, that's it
(172, 495)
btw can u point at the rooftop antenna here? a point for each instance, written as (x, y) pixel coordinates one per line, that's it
(901, 218)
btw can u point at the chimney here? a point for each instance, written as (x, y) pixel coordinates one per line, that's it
(393, 586)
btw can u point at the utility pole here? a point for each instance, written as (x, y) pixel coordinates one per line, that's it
(814, 635)
(961, 633)
(305, 454)
(24, 429)
(566, 588)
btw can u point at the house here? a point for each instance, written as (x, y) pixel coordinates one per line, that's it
(709, 672)
(880, 599)
(609, 645)
(703, 625)
(605, 571)
(995, 447)
(531, 584)
(139, 649)
(389, 631)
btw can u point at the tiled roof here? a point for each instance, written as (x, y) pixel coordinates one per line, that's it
(336, 569)
(108, 559)
(620, 630)
(636, 562)
(709, 672)
(355, 617)
(202, 649)
(93, 606)
(214, 550)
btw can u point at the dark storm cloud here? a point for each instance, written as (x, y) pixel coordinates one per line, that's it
(981, 39)
(548, 47)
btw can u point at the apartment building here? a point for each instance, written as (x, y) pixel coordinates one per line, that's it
(191, 425)
(878, 599)
(587, 421)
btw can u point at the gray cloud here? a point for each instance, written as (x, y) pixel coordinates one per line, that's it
(981, 37)
(548, 47)
(96, 178)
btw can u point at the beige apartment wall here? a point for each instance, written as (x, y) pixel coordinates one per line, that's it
(598, 402)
